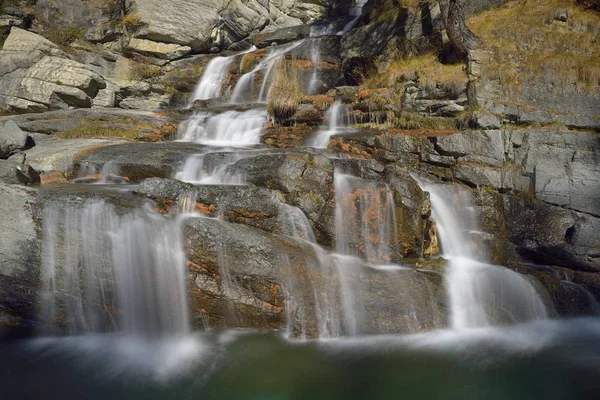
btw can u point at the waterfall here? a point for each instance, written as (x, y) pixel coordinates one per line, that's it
(365, 222)
(204, 169)
(339, 121)
(480, 294)
(231, 128)
(243, 92)
(315, 59)
(356, 12)
(210, 84)
(106, 271)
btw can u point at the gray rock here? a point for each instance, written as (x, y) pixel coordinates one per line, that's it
(281, 36)
(488, 144)
(304, 179)
(59, 155)
(159, 50)
(12, 139)
(138, 161)
(13, 172)
(20, 40)
(20, 261)
(552, 235)
(478, 175)
(486, 120)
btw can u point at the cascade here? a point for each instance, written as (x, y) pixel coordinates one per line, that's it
(231, 128)
(106, 271)
(210, 84)
(339, 121)
(481, 294)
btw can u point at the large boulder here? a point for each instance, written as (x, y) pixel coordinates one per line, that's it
(246, 278)
(211, 24)
(12, 139)
(60, 83)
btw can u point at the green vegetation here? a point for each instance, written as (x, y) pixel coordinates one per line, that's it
(141, 69)
(127, 128)
(97, 129)
(64, 35)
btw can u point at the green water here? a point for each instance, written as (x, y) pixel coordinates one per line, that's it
(543, 360)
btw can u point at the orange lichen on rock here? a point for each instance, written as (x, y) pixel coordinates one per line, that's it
(52, 177)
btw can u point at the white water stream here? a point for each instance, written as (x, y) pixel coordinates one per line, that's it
(481, 294)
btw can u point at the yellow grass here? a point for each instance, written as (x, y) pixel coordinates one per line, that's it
(528, 44)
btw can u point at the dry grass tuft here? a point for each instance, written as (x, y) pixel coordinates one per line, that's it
(285, 95)
(426, 70)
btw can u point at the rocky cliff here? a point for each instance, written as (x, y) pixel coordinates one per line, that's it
(84, 84)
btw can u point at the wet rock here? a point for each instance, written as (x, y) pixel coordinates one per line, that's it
(236, 273)
(16, 173)
(304, 179)
(12, 139)
(246, 278)
(548, 234)
(52, 177)
(568, 298)
(138, 161)
(20, 261)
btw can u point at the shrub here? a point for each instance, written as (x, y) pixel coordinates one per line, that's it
(64, 35)
(141, 70)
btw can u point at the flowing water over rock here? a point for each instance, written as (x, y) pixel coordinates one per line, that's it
(231, 128)
(339, 122)
(245, 91)
(365, 219)
(481, 294)
(210, 85)
(106, 271)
